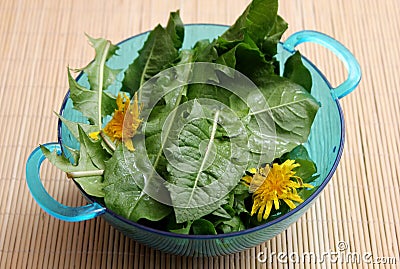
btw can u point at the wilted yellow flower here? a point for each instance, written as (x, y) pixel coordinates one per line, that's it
(271, 184)
(125, 121)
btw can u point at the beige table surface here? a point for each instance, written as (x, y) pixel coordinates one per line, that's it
(359, 207)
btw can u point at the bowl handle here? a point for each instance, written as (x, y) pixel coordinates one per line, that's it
(47, 202)
(352, 66)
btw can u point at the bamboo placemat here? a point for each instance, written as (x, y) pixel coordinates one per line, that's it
(359, 208)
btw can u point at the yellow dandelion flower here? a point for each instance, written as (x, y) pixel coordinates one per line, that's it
(94, 135)
(269, 185)
(125, 121)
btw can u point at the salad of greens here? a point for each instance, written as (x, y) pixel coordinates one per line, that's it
(175, 148)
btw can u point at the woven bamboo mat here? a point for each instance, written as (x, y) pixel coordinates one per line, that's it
(359, 208)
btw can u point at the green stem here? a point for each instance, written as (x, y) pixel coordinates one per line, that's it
(101, 78)
(108, 142)
(89, 173)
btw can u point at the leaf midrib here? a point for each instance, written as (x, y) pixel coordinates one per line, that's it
(278, 106)
(203, 162)
(101, 78)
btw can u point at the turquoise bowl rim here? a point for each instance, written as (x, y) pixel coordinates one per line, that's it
(233, 234)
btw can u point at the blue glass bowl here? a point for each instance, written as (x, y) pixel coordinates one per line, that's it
(325, 146)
